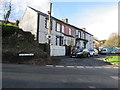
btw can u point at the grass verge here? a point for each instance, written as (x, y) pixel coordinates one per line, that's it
(115, 60)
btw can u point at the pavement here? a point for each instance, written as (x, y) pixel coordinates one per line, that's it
(69, 73)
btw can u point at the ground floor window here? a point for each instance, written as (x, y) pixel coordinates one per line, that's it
(59, 40)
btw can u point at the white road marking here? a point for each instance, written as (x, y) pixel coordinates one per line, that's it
(70, 66)
(98, 67)
(79, 67)
(58, 66)
(89, 67)
(49, 65)
(114, 77)
(91, 86)
(107, 67)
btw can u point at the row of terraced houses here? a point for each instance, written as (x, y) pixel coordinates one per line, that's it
(64, 35)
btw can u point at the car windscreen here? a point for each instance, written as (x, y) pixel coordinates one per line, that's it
(91, 50)
(79, 50)
(104, 50)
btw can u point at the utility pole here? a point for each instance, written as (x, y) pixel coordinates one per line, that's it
(49, 28)
(49, 25)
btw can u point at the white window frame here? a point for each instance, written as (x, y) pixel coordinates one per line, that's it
(63, 27)
(58, 27)
(70, 31)
(79, 34)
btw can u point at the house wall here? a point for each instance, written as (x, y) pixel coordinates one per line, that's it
(55, 50)
(90, 44)
(42, 30)
(29, 21)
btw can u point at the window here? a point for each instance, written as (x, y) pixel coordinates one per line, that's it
(74, 33)
(63, 28)
(84, 36)
(58, 27)
(79, 34)
(70, 31)
(67, 30)
(62, 41)
(59, 40)
(46, 23)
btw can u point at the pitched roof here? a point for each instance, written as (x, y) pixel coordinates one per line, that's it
(39, 12)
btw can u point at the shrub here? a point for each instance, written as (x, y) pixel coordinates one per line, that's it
(8, 29)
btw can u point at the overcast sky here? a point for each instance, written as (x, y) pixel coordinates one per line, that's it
(99, 17)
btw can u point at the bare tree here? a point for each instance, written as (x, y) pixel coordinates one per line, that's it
(7, 9)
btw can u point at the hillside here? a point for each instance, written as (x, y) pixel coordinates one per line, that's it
(15, 41)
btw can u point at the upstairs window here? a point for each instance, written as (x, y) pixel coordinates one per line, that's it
(67, 30)
(58, 27)
(74, 33)
(70, 31)
(46, 23)
(84, 36)
(63, 28)
(79, 34)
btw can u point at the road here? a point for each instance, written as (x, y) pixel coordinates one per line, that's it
(60, 76)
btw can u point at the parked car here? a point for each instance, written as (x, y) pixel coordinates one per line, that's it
(116, 51)
(104, 51)
(80, 53)
(96, 52)
(93, 52)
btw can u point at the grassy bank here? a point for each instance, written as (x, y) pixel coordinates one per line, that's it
(115, 60)
(16, 41)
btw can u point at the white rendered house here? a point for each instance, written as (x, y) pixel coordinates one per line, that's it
(63, 34)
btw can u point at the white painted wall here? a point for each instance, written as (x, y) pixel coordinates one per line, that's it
(42, 30)
(57, 50)
(29, 21)
(90, 41)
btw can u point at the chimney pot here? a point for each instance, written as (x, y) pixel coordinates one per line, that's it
(65, 20)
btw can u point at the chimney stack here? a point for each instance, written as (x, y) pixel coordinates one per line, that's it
(84, 29)
(65, 20)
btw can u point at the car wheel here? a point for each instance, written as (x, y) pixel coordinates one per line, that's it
(88, 55)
